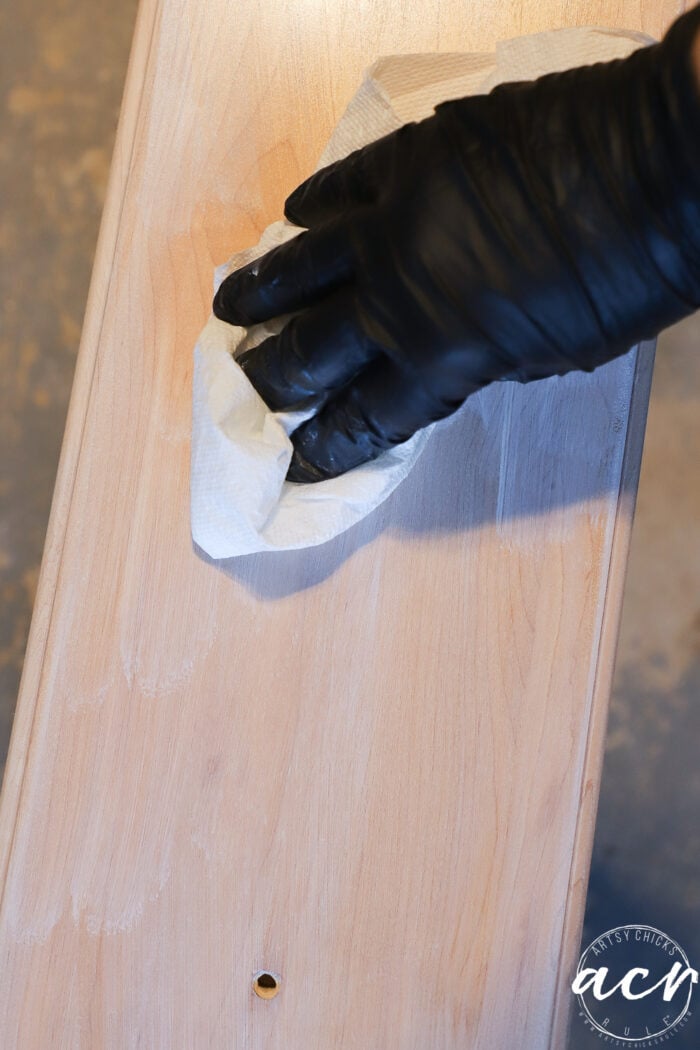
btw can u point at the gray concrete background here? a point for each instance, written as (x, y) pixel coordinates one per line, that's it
(61, 80)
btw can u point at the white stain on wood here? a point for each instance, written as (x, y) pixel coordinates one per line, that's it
(370, 768)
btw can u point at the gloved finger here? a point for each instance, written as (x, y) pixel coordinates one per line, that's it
(317, 352)
(341, 186)
(383, 407)
(287, 278)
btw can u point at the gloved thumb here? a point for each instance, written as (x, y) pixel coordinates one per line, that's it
(342, 186)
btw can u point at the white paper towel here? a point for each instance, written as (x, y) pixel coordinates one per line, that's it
(240, 451)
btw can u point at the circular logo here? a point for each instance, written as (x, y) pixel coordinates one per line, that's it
(634, 985)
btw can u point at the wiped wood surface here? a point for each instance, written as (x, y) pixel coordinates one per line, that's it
(370, 768)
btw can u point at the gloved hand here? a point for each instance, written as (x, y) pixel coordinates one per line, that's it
(544, 227)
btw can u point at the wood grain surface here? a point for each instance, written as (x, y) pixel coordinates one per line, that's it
(370, 768)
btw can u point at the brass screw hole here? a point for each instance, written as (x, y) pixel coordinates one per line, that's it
(266, 985)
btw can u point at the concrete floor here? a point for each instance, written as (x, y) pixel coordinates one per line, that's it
(61, 79)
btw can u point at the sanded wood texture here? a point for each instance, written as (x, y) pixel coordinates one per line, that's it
(370, 768)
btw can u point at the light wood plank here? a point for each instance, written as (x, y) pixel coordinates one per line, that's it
(372, 767)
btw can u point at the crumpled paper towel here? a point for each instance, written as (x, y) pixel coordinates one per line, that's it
(240, 450)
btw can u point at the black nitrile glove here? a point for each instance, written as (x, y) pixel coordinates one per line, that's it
(544, 227)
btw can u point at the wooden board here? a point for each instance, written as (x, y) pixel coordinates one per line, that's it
(371, 768)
